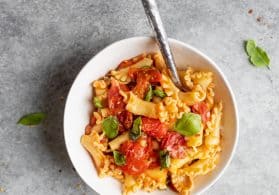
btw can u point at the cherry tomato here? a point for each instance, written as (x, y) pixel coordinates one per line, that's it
(137, 154)
(202, 109)
(154, 128)
(126, 119)
(115, 100)
(175, 144)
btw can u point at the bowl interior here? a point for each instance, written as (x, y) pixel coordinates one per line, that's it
(78, 108)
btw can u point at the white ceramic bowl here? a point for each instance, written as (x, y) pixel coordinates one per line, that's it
(78, 108)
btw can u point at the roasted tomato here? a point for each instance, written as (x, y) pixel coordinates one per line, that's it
(115, 100)
(124, 87)
(126, 119)
(175, 144)
(154, 128)
(142, 85)
(154, 159)
(137, 155)
(144, 76)
(127, 63)
(202, 109)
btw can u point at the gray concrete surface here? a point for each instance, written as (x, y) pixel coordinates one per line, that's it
(44, 44)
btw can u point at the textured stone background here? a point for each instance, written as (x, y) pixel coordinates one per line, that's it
(44, 44)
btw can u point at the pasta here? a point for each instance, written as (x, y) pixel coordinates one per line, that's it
(145, 132)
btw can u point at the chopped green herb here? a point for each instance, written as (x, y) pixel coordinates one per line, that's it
(146, 66)
(97, 102)
(189, 124)
(159, 93)
(164, 159)
(110, 126)
(135, 132)
(149, 94)
(257, 55)
(32, 119)
(119, 158)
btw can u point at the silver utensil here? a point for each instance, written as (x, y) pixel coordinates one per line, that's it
(152, 13)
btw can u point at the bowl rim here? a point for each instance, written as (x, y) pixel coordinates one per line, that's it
(195, 50)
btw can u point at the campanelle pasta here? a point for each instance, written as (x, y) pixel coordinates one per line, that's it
(145, 132)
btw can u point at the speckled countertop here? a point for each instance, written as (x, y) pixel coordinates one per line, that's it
(44, 44)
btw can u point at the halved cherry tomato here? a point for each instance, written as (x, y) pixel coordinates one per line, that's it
(137, 154)
(115, 100)
(202, 109)
(154, 128)
(175, 144)
(126, 119)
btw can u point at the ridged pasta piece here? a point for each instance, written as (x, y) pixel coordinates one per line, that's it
(160, 63)
(115, 143)
(195, 140)
(212, 132)
(138, 106)
(202, 78)
(197, 95)
(201, 166)
(130, 185)
(100, 88)
(98, 117)
(209, 100)
(185, 76)
(177, 163)
(170, 89)
(92, 144)
(182, 182)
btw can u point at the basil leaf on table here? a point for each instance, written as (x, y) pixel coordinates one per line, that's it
(164, 159)
(159, 93)
(119, 158)
(149, 94)
(135, 132)
(110, 126)
(257, 56)
(32, 119)
(97, 102)
(189, 124)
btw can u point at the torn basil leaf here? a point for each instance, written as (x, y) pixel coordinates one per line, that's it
(149, 94)
(110, 126)
(135, 132)
(159, 93)
(189, 124)
(164, 159)
(119, 158)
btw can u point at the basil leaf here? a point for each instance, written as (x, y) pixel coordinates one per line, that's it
(119, 158)
(159, 93)
(257, 55)
(149, 94)
(164, 159)
(32, 119)
(189, 124)
(97, 102)
(135, 132)
(110, 126)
